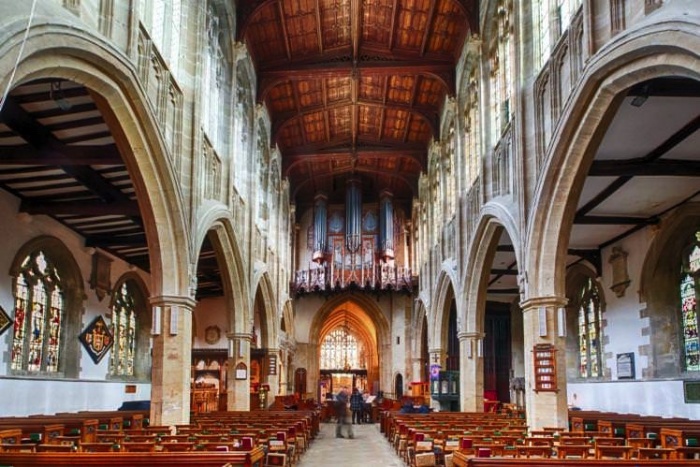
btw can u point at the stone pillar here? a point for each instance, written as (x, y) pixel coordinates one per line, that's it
(172, 360)
(416, 369)
(471, 372)
(272, 376)
(545, 408)
(238, 388)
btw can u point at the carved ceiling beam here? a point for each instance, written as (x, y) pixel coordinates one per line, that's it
(299, 185)
(440, 70)
(283, 120)
(65, 156)
(638, 167)
(416, 156)
(356, 28)
(246, 11)
(319, 33)
(394, 20)
(81, 208)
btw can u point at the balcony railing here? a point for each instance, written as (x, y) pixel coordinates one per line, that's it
(374, 276)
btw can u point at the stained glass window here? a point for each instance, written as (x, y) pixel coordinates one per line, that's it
(589, 335)
(690, 275)
(39, 309)
(124, 331)
(340, 350)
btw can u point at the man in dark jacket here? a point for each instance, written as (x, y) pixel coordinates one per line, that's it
(356, 403)
(341, 412)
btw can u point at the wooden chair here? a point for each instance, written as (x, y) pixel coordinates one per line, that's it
(275, 459)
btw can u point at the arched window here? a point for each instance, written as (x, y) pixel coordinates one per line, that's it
(689, 288)
(124, 330)
(162, 19)
(552, 18)
(589, 335)
(472, 128)
(39, 312)
(501, 71)
(340, 350)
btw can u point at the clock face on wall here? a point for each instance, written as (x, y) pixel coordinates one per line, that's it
(212, 334)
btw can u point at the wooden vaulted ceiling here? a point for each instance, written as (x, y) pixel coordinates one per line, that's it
(354, 87)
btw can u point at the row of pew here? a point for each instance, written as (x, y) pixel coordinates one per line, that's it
(465, 438)
(104, 438)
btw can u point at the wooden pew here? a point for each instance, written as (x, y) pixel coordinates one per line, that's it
(251, 458)
(461, 460)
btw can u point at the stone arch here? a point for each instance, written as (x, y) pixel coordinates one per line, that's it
(61, 50)
(382, 329)
(629, 59)
(659, 289)
(74, 295)
(215, 219)
(445, 292)
(287, 319)
(419, 315)
(269, 315)
(493, 220)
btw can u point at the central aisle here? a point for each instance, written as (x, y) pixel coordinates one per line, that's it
(368, 448)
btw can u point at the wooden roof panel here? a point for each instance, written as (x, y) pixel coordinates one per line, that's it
(335, 23)
(314, 125)
(310, 92)
(268, 43)
(376, 22)
(395, 124)
(431, 92)
(369, 118)
(340, 122)
(301, 21)
(291, 135)
(338, 89)
(401, 89)
(281, 98)
(447, 31)
(412, 23)
(419, 131)
(372, 88)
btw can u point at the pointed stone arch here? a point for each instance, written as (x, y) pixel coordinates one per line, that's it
(61, 51)
(215, 220)
(631, 58)
(264, 296)
(446, 292)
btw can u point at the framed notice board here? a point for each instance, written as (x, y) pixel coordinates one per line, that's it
(545, 368)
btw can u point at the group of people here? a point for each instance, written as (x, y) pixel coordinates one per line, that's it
(350, 409)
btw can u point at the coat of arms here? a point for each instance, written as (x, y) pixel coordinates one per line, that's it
(97, 339)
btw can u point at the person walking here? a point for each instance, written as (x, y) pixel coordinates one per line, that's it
(356, 403)
(342, 413)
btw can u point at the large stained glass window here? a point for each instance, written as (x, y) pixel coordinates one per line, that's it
(124, 331)
(690, 275)
(340, 350)
(39, 310)
(589, 318)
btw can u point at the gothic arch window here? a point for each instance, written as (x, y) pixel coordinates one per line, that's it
(501, 60)
(589, 330)
(689, 290)
(340, 350)
(47, 288)
(472, 126)
(162, 19)
(450, 155)
(131, 327)
(552, 18)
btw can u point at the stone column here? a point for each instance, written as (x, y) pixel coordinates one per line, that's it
(172, 360)
(471, 372)
(238, 390)
(416, 369)
(545, 408)
(273, 379)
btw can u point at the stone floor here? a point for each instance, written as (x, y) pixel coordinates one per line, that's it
(368, 448)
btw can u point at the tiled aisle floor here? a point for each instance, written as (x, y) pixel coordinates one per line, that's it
(369, 448)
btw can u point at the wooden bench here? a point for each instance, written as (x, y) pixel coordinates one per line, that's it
(461, 460)
(135, 459)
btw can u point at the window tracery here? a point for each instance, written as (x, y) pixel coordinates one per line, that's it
(340, 350)
(124, 330)
(589, 330)
(690, 277)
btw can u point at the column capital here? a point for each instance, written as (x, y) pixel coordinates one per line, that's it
(463, 336)
(241, 336)
(548, 301)
(173, 300)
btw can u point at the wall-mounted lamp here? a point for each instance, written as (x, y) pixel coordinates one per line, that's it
(641, 97)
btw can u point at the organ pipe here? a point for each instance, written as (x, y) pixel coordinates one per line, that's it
(386, 225)
(320, 226)
(353, 215)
